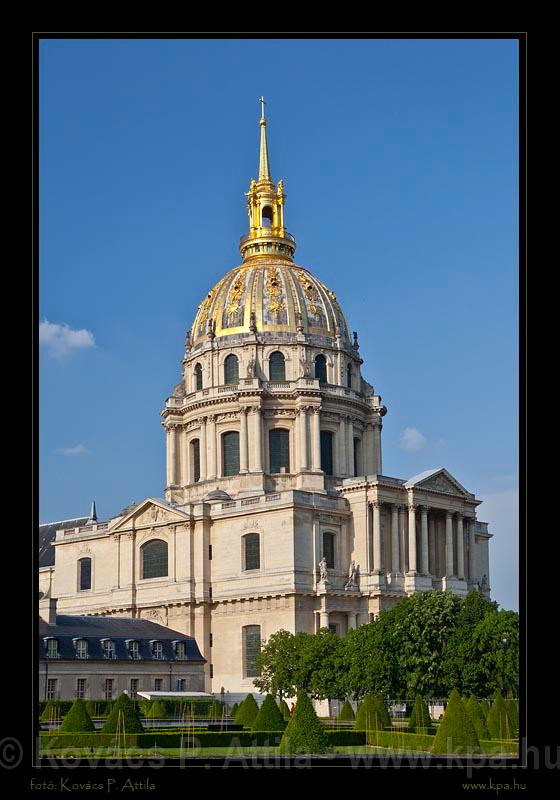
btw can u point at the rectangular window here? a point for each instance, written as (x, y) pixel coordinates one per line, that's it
(279, 443)
(81, 688)
(252, 551)
(134, 650)
(211, 640)
(328, 549)
(251, 650)
(108, 648)
(52, 648)
(85, 573)
(158, 684)
(180, 652)
(157, 650)
(327, 452)
(333, 628)
(134, 688)
(180, 685)
(81, 648)
(210, 592)
(196, 460)
(209, 552)
(211, 670)
(230, 453)
(52, 688)
(109, 683)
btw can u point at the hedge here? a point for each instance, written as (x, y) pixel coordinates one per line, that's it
(400, 741)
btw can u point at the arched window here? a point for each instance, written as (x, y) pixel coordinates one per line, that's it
(84, 573)
(252, 551)
(267, 217)
(231, 369)
(327, 452)
(277, 366)
(251, 650)
(328, 549)
(349, 376)
(198, 376)
(195, 459)
(279, 446)
(321, 369)
(154, 559)
(357, 457)
(230, 453)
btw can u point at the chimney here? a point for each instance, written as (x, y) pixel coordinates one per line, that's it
(47, 610)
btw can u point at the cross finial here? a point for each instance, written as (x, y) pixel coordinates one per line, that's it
(263, 103)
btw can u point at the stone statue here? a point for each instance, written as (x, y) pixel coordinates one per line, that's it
(188, 341)
(252, 322)
(304, 363)
(251, 368)
(323, 571)
(352, 576)
(484, 583)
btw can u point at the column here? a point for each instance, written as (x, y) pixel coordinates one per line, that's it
(424, 539)
(342, 446)
(367, 450)
(304, 464)
(432, 564)
(184, 457)
(471, 549)
(323, 619)
(349, 447)
(377, 448)
(316, 439)
(351, 620)
(402, 537)
(376, 536)
(172, 455)
(243, 455)
(395, 565)
(258, 439)
(449, 544)
(460, 548)
(412, 561)
(211, 442)
(202, 448)
(169, 461)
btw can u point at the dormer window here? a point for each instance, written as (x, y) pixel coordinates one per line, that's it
(52, 648)
(108, 647)
(180, 651)
(133, 649)
(157, 650)
(81, 646)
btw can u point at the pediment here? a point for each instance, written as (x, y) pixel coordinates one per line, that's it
(149, 513)
(439, 480)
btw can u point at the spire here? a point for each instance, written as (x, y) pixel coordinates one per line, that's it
(264, 167)
(92, 513)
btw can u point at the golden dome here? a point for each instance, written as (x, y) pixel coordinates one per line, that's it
(269, 295)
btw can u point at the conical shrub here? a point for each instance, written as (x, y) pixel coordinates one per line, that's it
(456, 733)
(477, 718)
(77, 720)
(130, 719)
(233, 710)
(305, 732)
(420, 721)
(498, 721)
(247, 712)
(215, 710)
(346, 712)
(284, 708)
(485, 707)
(157, 710)
(269, 718)
(372, 715)
(513, 711)
(50, 712)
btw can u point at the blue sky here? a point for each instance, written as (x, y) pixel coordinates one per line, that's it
(399, 159)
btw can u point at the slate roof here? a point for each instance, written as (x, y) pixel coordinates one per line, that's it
(47, 533)
(119, 629)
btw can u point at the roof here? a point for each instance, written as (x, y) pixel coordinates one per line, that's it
(47, 533)
(422, 476)
(119, 630)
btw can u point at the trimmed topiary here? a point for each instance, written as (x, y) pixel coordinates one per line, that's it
(477, 718)
(456, 733)
(513, 711)
(130, 720)
(77, 720)
(372, 715)
(485, 708)
(215, 710)
(50, 712)
(247, 712)
(420, 721)
(346, 712)
(284, 708)
(157, 710)
(233, 710)
(305, 732)
(269, 718)
(498, 721)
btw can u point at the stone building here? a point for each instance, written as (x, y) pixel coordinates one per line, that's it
(276, 512)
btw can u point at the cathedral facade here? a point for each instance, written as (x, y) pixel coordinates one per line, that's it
(276, 512)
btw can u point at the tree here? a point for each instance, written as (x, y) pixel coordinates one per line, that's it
(498, 720)
(318, 668)
(130, 719)
(278, 662)
(77, 720)
(346, 712)
(247, 712)
(305, 733)
(477, 718)
(269, 718)
(456, 733)
(456, 667)
(420, 721)
(369, 657)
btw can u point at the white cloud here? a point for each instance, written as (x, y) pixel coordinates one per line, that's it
(77, 450)
(59, 340)
(412, 439)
